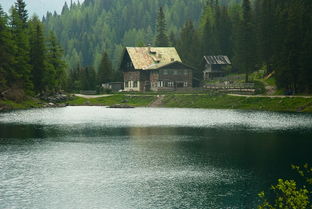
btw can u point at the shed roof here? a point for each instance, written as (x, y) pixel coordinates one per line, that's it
(149, 58)
(217, 60)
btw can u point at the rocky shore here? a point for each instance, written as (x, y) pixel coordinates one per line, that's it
(120, 106)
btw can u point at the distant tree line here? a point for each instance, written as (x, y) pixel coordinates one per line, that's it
(87, 30)
(275, 35)
(30, 57)
(89, 78)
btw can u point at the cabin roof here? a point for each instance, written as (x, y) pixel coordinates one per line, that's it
(217, 60)
(150, 58)
(177, 63)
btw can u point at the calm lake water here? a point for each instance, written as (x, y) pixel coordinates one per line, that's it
(95, 157)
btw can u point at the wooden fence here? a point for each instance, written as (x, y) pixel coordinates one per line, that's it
(240, 88)
(230, 86)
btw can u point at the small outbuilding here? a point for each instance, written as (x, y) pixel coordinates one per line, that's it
(214, 66)
(114, 86)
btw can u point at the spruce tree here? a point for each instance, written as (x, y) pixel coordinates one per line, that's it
(188, 47)
(172, 39)
(266, 32)
(207, 42)
(246, 46)
(21, 39)
(105, 70)
(56, 64)
(37, 54)
(7, 51)
(161, 38)
(20, 6)
(65, 8)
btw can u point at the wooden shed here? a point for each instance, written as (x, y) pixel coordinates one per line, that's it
(214, 66)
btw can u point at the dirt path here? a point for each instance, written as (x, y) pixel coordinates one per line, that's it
(158, 101)
(92, 96)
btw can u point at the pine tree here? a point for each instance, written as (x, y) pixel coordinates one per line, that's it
(188, 44)
(37, 54)
(7, 51)
(65, 8)
(161, 38)
(22, 67)
(207, 41)
(246, 48)
(306, 61)
(20, 6)
(188, 47)
(105, 70)
(289, 66)
(56, 64)
(87, 78)
(266, 32)
(172, 39)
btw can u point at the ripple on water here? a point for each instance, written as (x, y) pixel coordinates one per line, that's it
(95, 157)
(161, 117)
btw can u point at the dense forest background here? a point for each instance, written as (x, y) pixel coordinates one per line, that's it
(269, 34)
(274, 35)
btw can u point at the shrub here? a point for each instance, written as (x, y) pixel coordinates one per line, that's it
(287, 194)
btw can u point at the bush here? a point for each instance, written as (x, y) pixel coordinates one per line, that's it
(260, 88)
(287, 194)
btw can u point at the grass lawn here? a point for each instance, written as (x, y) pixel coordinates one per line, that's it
(286, 104)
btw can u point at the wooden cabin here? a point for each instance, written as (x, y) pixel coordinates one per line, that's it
(214, 66)
(155, 69)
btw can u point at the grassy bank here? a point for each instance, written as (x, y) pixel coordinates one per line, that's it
(132, 100)
(287, 104)
(26, 104)
(213, 101)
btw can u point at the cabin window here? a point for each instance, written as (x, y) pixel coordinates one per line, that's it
(175, 72)
(165, 72)
(160, 84)
(185, 84)
(170, 84)
(135, 84)
(185, 72)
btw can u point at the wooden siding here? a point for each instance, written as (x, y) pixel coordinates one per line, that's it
(171, 79)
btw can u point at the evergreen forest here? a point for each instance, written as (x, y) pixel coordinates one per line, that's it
(31, 59)
(274, 35)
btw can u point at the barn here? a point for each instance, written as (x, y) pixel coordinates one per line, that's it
(154, 69)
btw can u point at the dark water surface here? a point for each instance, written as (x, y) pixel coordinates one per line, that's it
(95, 157)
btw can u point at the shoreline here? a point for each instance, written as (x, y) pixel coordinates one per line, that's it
(204, 101)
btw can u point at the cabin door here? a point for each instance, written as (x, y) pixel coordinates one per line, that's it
(147, 86)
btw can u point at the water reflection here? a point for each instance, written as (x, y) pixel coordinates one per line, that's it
(91, 157)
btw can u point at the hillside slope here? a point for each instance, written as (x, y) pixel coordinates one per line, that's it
(95, 26)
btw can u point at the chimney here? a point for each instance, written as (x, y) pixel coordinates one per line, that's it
(149, 48)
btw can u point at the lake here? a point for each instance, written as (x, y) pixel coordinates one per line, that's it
(96, 157)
